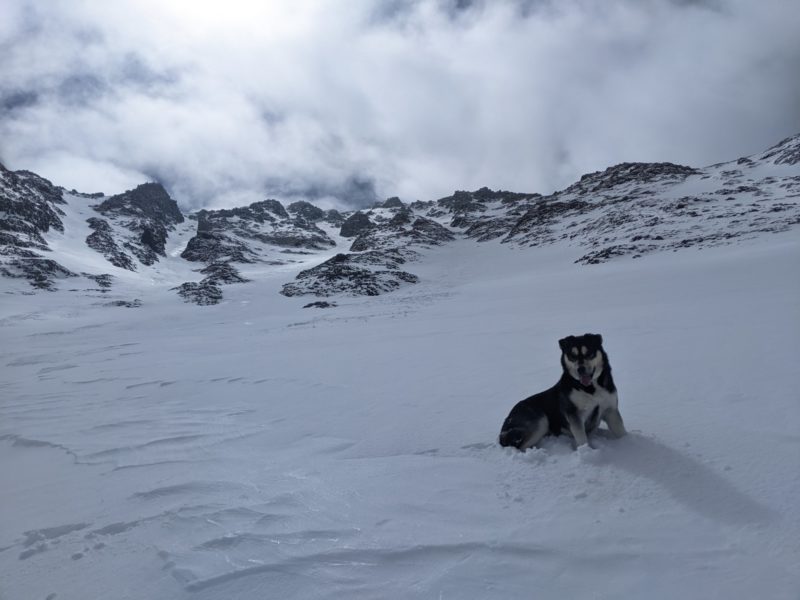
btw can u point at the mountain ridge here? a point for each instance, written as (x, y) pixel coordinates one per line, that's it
(627, 210)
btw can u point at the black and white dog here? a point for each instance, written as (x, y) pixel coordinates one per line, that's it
(584, 396)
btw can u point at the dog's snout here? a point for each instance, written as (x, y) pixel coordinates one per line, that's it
(581, 370)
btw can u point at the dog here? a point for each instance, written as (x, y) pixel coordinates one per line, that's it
(584, 396)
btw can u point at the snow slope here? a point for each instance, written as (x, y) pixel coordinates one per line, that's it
(254, 449)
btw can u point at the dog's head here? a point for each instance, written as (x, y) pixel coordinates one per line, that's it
(583, 357)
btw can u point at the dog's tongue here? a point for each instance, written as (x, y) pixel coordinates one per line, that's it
(586, 380)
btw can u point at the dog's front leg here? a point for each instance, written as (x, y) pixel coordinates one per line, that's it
(577, 430)
(614, 421)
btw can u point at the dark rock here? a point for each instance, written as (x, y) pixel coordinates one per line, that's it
(135, 303)
(320, 304)
(786, 152)
(334, 217)
(343, 274)
(399, 231)
(228, 235)
(202, 293)
(461, 202)
(625, 173)
(29, 205)
(355, 224)
(393, 202)
(209, 246)
(41, 273)
(143, 217)
(307, 211)
(102, 241)
(218, 273)
(104, 280)
(149, 201)
(403, 217)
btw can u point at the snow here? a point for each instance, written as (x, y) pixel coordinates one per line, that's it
(254, 449)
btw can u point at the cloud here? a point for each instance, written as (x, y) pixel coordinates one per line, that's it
(416, 98)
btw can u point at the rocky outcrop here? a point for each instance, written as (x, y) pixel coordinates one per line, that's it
(393, 202)
(355, 224)
(102, 240)
(785, 152)
(259, 232)
(208, 291)
(148, 202)
(403, 230)
(139, 221)
(202, 293)
(306, 210)
(29, 208)
(351, 275)
(628, 210)
(631, 173)
(221, 273)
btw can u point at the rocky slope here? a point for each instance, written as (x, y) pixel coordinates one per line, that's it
(628, 210)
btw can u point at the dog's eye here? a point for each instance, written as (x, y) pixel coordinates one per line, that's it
(591, 354)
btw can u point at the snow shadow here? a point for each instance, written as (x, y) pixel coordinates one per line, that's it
(688, 481)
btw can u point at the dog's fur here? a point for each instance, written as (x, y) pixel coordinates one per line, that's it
(584, 396)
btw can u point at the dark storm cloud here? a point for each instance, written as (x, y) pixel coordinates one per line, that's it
(413, 98)
(356, 190)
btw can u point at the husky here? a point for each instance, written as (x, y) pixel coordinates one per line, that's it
(584, 396)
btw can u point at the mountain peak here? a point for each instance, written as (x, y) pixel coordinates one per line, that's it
(148, 200)
(785, 152)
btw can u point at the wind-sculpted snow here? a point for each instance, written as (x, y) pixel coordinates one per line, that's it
(254, 449)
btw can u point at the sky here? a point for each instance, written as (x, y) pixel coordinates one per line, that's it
(347, 103)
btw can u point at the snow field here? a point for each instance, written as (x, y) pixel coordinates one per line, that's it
(257, 450)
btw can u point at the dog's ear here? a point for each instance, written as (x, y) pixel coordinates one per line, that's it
(595, 338)
(565, 343)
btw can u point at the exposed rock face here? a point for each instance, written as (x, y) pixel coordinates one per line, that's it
(348, 274)
(307, 211)
(135, 303)
(254, 233)
(334, 217)
(320, 304)
(201, 293)
(208, 290)
(626, 173)
(627, 210)
(355, 224)
(469, 210)
(637, 208)
(148, 202)
(29, 207)
(222, 273)
(41, 273)
(102, 240)
(401, 230)
(786, 152)
(393, 202)
(139, 221)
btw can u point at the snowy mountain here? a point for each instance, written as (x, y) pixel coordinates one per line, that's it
(631, 209)
(248, 448)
